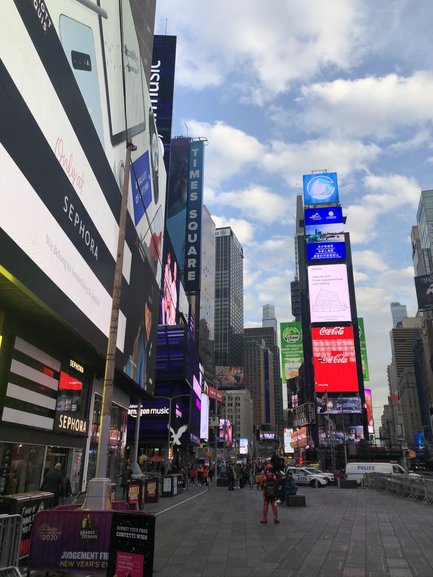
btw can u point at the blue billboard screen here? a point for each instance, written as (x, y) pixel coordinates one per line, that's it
(326, 251)
(320, 216)
(320, 188)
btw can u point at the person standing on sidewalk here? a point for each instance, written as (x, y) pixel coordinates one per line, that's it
(269, 486)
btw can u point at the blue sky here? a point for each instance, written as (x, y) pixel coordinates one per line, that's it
(282, 88)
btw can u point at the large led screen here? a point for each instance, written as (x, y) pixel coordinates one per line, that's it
(63, 152)
(229, 377)
(319, 251)
(334, 360)
(320, 188)
(338, 405)
(329, 293)
(369, 408)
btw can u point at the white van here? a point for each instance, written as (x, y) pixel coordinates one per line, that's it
(356, 471)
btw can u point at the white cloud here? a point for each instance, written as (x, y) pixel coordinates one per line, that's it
(229, 150)
(243, 229)
(368, 107)
(264, 46)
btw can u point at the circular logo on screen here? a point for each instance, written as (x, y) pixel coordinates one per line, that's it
(320, 188)
(291, 335)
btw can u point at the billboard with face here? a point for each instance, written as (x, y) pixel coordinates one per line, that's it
(329, 293)
(320, 188)
(334, 360)
(63, 147)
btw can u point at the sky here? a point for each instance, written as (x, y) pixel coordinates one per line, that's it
(283, 88)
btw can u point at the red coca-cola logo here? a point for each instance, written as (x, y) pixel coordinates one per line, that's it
(338, 359)
(339, 331)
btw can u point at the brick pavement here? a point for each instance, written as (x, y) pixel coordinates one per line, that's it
(341, 532)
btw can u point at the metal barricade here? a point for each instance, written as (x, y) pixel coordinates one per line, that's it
(428, 484)
(11, 528)
(418, 489)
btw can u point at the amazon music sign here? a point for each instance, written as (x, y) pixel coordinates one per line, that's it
(334, 360)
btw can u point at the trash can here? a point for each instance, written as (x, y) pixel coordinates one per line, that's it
(180, 484)
(151, 490)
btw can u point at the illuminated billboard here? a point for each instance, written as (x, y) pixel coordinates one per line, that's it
(336, 405)
(288, 441)
(324, 233)
(60, 240)
(320, 188)
(319, 251)
(334, 360)
(369, 408)
(326, 220)
(329, 293)
(229, 377)
(243, 446)
(292, 354)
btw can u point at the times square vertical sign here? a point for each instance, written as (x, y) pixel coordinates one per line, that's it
(193, 217)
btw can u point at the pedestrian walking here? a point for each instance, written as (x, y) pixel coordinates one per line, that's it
(53, 483)
(269, 486)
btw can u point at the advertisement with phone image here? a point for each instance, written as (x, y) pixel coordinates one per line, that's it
(91, 97)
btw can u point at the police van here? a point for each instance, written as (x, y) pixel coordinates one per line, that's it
(356, 471)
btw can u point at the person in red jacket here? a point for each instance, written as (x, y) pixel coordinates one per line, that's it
(269, 486)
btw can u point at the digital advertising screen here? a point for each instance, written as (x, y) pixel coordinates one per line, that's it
(243, 446)
(329, 250)
(169, 286)
(288, 441)
(369, 408)
(225, 431)
(329, 293)
(337, 405)
(229, 377)
(329, 437)
(324, 233)
(204, 417)
(320, 188)
(334, 360)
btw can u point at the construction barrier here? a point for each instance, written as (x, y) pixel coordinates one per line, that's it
(11, 528)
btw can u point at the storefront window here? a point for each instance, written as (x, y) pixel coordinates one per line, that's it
(20, 468)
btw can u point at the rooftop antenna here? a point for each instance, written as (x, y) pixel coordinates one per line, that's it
(186, 125)
(166, 21)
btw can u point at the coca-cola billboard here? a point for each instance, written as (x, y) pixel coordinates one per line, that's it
(334, 360)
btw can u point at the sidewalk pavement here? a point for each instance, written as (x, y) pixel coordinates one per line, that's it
(341, 532)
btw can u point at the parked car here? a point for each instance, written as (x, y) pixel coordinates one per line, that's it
(329, 476)
(304, 477)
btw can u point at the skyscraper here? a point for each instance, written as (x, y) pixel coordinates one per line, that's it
(398, 312)
(424, 220)
(229, 299)
(268, 317)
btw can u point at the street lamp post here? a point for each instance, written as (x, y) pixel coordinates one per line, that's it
(98, 494)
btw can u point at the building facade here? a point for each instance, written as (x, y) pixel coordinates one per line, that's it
(229, 299)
